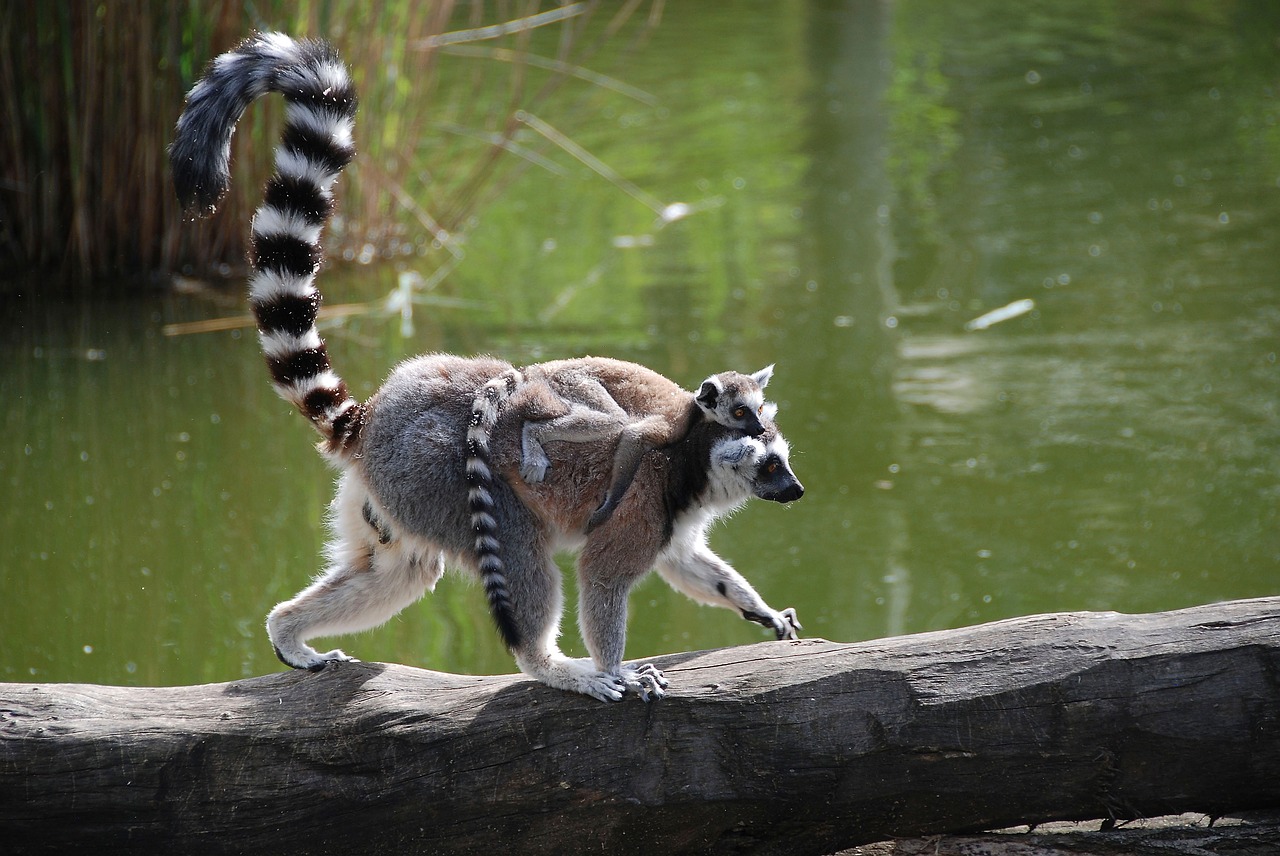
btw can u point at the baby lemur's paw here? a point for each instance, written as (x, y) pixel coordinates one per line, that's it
(646, 681)
(533, 469)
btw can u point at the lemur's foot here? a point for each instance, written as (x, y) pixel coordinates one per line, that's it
(313, 661)
(533, 469)
(581, 676)
(646, 681)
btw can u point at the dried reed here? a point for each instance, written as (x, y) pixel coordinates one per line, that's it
(89, 93)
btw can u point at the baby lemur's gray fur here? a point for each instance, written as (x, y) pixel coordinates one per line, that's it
(591, 399)
(429, 468)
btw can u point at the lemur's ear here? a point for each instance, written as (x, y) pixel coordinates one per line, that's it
(762, 377)
(709, 393)
(770, 412)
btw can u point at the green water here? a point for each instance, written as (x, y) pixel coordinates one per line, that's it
(866, 179)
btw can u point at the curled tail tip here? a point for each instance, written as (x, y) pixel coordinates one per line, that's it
(306, 70)
(492, 570)
(199, 179)
(197, 200)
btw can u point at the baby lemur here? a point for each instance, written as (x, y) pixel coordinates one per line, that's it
(597, 398)
(411, 496)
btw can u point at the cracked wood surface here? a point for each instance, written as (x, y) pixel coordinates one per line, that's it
(780, 747)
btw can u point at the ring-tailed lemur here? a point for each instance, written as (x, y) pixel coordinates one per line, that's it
(405, 502)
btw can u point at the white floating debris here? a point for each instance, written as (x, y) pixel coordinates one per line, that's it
(675, 211)
(1004, 313)
(629, 242)
(401, 299)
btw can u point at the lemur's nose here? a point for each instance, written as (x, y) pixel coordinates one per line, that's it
(792, 493)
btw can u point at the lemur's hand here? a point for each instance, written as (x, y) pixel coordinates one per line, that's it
(783, 623)
(786, 625)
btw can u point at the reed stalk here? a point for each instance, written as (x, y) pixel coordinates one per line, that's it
(89, 93)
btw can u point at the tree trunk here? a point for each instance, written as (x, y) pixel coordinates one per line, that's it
(781, 747)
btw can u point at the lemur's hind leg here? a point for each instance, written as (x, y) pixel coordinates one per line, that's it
(634, 442)
(356, 593)
(372, 575)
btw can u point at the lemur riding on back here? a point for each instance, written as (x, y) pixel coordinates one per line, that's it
(431, 465)
(596, 398)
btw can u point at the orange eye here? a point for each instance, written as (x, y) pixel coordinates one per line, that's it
(739, 413)
(771, 469)
(760, 410)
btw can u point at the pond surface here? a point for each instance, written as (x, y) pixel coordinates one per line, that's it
(867, 181)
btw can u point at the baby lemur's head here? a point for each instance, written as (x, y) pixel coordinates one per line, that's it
(736, 400)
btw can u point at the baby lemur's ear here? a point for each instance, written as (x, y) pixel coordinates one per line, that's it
(762, 377)
(709, 393)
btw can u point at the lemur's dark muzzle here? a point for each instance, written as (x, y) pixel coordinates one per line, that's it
(790, 493)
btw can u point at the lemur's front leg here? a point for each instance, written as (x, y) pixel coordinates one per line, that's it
(602, 613)
(614, 558)
(707, 578)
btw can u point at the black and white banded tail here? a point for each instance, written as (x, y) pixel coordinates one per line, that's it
(484, 415)
(285, 246)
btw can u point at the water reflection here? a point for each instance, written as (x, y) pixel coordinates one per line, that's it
(853, 295)
(869, 177)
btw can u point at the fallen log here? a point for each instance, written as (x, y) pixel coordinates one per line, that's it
(781, 747)
(1182, 835)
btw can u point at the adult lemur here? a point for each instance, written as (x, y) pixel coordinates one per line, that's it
(409, 496)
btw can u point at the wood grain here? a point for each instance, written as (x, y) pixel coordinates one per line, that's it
(781, 747)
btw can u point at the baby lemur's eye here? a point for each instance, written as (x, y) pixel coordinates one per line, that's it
(760, 410)
(772, 468)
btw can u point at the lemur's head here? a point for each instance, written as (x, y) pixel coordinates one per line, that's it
(756, 466)
(736, 400)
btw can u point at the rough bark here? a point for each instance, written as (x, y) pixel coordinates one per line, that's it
(802, 747)
(1182, 835)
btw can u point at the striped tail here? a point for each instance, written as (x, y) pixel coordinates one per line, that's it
(484, 415)
(285, 235)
